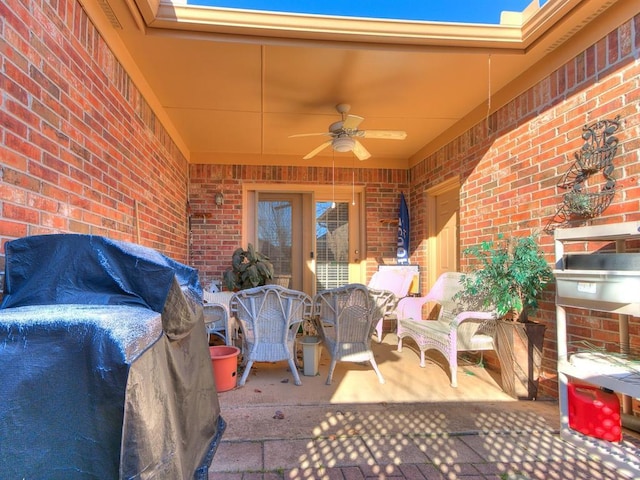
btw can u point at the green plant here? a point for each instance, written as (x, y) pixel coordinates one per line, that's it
(579, 203)
(508, 274)
(249, 268)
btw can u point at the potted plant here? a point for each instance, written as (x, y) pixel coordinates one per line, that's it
(249, 268)
(579, 203)
(509, 275)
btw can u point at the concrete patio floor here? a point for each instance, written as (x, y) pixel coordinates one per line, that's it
(415, 426)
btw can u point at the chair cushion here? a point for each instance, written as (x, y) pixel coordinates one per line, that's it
(426, 327)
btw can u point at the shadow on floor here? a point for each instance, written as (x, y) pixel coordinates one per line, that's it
(413, 426)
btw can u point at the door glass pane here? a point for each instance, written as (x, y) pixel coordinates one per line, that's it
(274, 236)
(332, 245)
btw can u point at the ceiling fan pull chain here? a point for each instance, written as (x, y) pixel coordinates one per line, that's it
(489, 94)
(333, 181)
(353, 180)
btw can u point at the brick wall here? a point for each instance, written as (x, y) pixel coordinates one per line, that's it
(510, 165)
(80, 149)
(217, 231)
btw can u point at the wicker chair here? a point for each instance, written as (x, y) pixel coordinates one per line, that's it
(216, 316)
(456, 328)
(346, 317)
(397, 281)
(269, 318)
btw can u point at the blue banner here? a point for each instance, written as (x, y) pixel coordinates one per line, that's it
(402, 256)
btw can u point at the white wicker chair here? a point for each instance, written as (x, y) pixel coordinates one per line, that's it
(346, 317)
(269, 318)
(397, 281)
(455, 329)
(216, 315)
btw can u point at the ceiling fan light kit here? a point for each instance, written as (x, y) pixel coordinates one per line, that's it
(342, 135)
(343, 144)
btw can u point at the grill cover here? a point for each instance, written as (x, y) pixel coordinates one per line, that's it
(104, 363)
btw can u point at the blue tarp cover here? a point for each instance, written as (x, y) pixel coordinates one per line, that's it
(86, 269)
(104, 364)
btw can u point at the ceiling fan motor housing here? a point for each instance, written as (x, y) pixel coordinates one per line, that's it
(335, 127)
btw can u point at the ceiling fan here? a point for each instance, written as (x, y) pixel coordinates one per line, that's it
(344, 134)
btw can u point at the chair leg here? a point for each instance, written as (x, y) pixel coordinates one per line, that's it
(294, 371)
(453, 368)
(379, 329)
(399, 344)
(245, 374)
(422, 361)
(332, 367)
(373, 363)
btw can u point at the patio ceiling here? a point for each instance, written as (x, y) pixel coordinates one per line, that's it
(232, 86)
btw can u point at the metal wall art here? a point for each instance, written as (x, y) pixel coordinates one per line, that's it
(593, 164)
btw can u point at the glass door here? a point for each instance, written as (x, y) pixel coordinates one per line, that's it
(279, 236)
(312, 238)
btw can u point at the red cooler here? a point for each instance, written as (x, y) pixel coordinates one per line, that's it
(594, 412)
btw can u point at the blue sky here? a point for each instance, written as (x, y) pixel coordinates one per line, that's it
(467, 11)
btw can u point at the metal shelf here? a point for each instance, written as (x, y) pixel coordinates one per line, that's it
(609, 372)
(599, 233)
(606, 291)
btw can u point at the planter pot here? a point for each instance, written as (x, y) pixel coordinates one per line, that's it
(282, 280)
(519, 349)
(224, 361)
(311, 350)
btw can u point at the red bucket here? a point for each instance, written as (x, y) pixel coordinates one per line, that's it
(225, 366)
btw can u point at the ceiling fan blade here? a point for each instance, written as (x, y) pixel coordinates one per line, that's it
(385, 134)
(360, 152)
(317, 150)
(352, 122)
(310, 134)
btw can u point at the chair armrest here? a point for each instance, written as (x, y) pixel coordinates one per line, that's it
(461, 317)
(411, 307)
(385, 301)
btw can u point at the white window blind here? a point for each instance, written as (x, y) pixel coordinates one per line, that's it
(332, 245)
